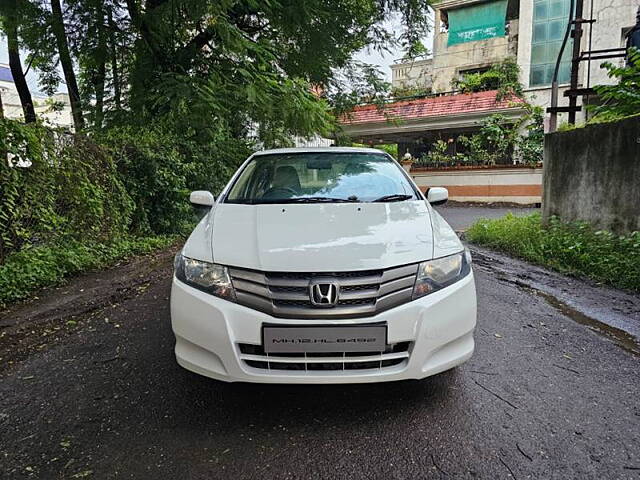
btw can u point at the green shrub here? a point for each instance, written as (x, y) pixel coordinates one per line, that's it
(573, 248)
(623, 98)
(159, 169)
(32, 268)
(69, 203)
(54, 185)
(503, 77)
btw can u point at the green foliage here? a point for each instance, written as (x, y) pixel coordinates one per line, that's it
(622, 99)
(437, 155)
(494, 143)
(530, 145)
(55, 186)
(160, 167)
(500, 139)
(70, 203)
(407, 92)
(172, 96)
(364, 84)
(573, 248)
(391, 149)
(503, 77)
(32, 268)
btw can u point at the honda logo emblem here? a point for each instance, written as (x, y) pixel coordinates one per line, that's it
(323, 293)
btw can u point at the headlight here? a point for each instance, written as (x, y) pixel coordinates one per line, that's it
(208, 277)
(441, 272)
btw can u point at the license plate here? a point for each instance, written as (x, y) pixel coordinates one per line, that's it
(364, 338)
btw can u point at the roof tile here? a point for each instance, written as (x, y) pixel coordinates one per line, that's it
(431, 107)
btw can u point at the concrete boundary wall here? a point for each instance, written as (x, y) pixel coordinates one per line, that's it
(593, 174)
(486, 185)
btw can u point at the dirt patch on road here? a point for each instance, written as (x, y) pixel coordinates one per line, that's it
(62, 311)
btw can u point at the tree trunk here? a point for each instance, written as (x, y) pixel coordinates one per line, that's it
(11, 30)
(57, 24)
(100, 73)
(115, 73)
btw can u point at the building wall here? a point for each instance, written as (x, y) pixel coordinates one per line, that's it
(611, 17)
(315, 141)
(416, 73)
(449, 61)
(592, 174)
(10, 100)
(486, 185)
(53, 117)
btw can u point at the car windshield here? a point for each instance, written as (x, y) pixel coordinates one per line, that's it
(319, 178)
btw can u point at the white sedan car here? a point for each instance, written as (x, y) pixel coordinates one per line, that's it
(322, 265)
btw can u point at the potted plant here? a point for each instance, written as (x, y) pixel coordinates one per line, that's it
(406, 161)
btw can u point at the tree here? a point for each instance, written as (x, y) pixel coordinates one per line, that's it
(57, 24)
(203, 66)
(10, 19)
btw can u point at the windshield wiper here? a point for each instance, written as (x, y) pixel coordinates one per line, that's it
(319, 200)
(396, 197)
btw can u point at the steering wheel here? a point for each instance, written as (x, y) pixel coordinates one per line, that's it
(286, 190)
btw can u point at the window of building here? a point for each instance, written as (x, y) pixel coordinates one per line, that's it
(549, 24)
(470, 71)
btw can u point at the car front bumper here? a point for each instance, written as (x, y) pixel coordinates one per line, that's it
(209, 331)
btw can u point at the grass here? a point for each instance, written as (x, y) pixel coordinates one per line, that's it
(33, 268)
(573, 248)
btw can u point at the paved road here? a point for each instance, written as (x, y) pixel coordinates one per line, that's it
(89, 389)
(461, 216)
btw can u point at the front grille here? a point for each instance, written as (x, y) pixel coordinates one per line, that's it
(254, 356)
(286, 294)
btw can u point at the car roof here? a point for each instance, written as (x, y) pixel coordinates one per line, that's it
(319, 150)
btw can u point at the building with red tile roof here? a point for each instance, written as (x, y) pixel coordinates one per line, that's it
(415, 123)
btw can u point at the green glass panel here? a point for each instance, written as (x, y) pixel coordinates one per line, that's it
(537, 75)
(539, 32)
(564, 74)
(549, 25)
(477, 22)
(556, 29)
(540, 10)
(538, 53)
(559, 9)
(552, 52)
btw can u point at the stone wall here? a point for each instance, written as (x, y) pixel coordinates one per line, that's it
(593, 174)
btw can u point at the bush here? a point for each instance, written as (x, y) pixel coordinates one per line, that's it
(573, 248)
(47, 265)
(503, 77)
(54, 185)
(159, 169)
(621, 99)
(71, 203)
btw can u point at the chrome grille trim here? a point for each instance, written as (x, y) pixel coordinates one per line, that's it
(286, 294)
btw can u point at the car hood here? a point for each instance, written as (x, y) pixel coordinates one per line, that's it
(321, 237)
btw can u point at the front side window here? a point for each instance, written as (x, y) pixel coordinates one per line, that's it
(549, 24)
(321, 177)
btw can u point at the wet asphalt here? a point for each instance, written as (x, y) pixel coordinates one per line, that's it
(89, 389)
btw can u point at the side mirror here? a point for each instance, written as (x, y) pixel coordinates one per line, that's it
(202, 197)
(437, 195)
